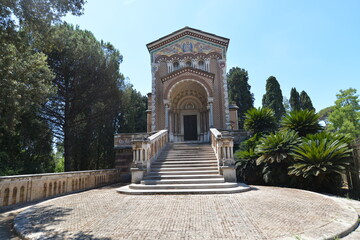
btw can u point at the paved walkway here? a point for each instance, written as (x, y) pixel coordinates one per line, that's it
(263, 213)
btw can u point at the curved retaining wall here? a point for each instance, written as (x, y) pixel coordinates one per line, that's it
(26, 188)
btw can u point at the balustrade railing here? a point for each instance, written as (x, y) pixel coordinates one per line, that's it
(26, 188)
(223, 145)
(145, 151)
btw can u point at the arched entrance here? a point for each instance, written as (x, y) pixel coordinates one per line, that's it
(188, 113)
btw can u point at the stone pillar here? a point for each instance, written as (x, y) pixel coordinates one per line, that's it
(166, 104)
(234, 116)
(211, 114)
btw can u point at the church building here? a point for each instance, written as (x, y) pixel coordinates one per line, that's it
(189, 87)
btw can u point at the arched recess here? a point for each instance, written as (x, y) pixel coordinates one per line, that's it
(188, 111)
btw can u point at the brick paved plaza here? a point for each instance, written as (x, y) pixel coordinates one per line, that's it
(262, 213)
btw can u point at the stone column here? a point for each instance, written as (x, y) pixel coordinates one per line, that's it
(211, 114)
(166, 103)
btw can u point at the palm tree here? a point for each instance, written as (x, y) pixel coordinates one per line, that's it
(260, 120)
(303, 122)
(277, 147)
(320, 156)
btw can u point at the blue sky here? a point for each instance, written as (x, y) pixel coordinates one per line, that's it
(311, 45)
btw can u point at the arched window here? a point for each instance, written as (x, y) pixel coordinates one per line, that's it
(14, 195)
(176, 65)
(201, 65)
(50, 189)
(6, 196)
(188, 63)
(22, 194)
(44, 190)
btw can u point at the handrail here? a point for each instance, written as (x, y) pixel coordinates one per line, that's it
(223, 145)
(145, 151)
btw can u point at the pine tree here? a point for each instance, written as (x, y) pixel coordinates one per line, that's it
(305, 102)
(294, 100)
(273, 97)
(239, 92)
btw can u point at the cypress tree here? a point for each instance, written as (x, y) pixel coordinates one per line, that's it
(294, 100)
(239, 92)
(305, 101)
(273, 97)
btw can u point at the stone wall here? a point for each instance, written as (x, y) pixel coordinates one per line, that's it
(26, 188)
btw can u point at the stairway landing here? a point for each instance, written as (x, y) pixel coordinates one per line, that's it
(188, 168)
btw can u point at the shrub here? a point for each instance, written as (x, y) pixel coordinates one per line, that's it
(260, 120)
(277, 147)
(303, 122)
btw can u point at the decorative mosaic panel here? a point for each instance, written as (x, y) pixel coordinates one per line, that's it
(188, 45)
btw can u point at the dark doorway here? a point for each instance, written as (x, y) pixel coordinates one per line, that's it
(190, 128)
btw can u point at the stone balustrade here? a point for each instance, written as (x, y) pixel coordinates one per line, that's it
(26, 188)
(222, 143)
(146, 151)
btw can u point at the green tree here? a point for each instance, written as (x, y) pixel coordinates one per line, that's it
(320, 156)
(287, 106)
(303, 122)
(25, 83)
(274, 152)
(294, 100)
(83, 110)
(132, 115)
(305, 102)
(277, 147)
(346, 115)
(239, 92)
(260, 120)
(273, 97)
(324, 114)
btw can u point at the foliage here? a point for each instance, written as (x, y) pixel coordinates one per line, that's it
(324, 114)
(319, 157)
(83, 110)
(245, 158)
(294, 100)
(258, 120)
(239, 92)
(273, 97)
(25, 83)
(287, 106)
(303, 122)
(277, 147)
(346, 115)
(305, 102)
(132, 115)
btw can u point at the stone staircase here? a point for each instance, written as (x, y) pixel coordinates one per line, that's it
(184, 168)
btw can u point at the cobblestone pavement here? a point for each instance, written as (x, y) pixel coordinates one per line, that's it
(262, 213)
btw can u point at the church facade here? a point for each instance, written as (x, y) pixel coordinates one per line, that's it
(189, 87)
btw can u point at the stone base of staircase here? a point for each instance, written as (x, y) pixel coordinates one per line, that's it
(185, 168)
(191, 189)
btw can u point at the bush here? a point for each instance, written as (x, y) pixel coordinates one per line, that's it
(260, 120)
(303, 122)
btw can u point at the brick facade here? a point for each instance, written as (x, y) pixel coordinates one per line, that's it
(189, 80)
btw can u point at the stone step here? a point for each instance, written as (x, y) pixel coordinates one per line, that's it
(190, 164)
(181, 169)
(183, 181)
(184, 162)
(183, 186)
(239, 188)
(198, 155)
(186, 172)
(177, 158)
(194, 154)
(192, 176)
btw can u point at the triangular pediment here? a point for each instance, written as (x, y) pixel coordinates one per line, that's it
(188, 41)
